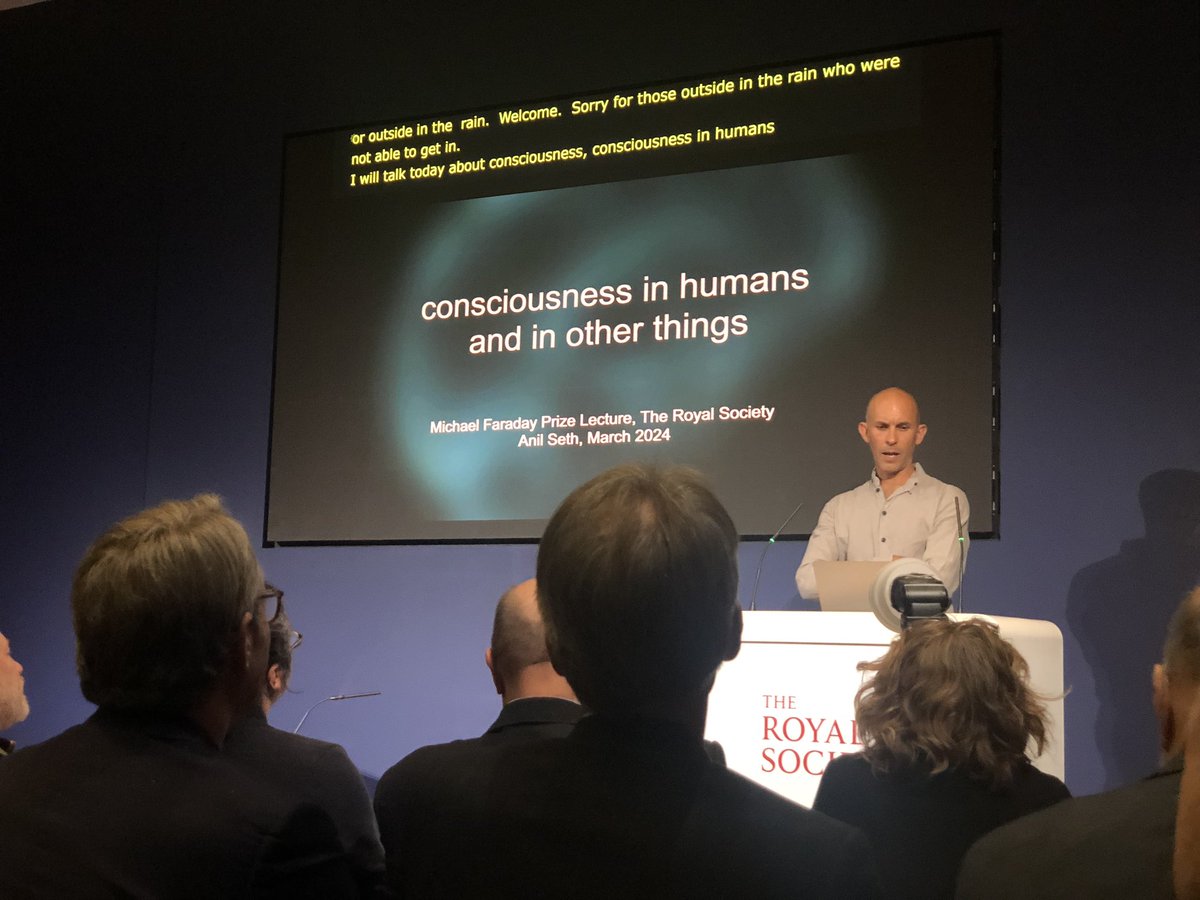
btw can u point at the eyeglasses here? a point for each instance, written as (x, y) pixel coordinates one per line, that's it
(272, 600)
(295, 639)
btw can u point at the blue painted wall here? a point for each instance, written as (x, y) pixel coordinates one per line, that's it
(139, 165)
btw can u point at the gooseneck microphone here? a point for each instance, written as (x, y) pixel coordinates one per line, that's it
(296, 730)
(962, 554)
(763, 555)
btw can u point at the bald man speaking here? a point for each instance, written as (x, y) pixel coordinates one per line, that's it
(901, 510)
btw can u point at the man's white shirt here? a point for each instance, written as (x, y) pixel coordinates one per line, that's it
(918, 520)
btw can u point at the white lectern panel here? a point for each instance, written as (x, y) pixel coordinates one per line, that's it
(785, 706)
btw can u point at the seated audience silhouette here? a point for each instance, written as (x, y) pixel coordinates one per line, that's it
(945, 724)
(319, 772)
(1113, 845)
(637, 585)
(537, 703)
(171, 623)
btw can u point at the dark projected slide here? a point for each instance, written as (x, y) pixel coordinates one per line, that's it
(480, 310)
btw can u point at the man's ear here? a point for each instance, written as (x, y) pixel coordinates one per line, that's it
(497, 681)
(274, 680)
(921, 429)
(862, 432)
(734, 640)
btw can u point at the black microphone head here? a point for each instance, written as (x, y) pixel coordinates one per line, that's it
(918, 597)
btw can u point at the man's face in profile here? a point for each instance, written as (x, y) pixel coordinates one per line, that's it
(13, 705)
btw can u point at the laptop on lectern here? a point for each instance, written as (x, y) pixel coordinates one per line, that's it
(845, 585)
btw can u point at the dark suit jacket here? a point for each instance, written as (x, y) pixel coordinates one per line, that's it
(127, 805)
(1117, 844)
(319, 773)
(534, 717)
(920, 826)
(618, 808)
(414, 782)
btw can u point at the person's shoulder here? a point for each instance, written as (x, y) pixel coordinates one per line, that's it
(61, 753)
(847, 765)
(933, 483)
(256, 739)
(741, 800)
(1115, 838)
(845, 781)
(862, 489)
(1065, 820)
(786, 844)
(846, 500)
(421, 767)
(1043, 786)
(449, 750)
(850, 767)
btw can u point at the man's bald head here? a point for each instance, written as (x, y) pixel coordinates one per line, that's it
(894, 398)
(893, 430)
(518, 657)
(518, 635)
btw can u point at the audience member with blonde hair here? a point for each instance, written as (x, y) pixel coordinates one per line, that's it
(945, 724)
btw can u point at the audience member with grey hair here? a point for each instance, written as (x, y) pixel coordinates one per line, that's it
(171, 620)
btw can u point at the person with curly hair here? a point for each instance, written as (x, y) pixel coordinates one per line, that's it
(945, 725)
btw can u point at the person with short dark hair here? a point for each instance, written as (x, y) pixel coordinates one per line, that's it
(637, 585)
(1117, 844)
(284, 640)
(945, 723)
(318, 771)
(171, 620)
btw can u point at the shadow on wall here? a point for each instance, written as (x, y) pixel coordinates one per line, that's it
(1118, 609)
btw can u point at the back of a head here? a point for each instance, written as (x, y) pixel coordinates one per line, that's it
(156, 601)
(518, 634)
(637, 583)
(279, 656)
(1181, 655)
(950, 695)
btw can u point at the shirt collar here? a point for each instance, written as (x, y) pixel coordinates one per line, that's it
(917, 475)
(538, 710)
